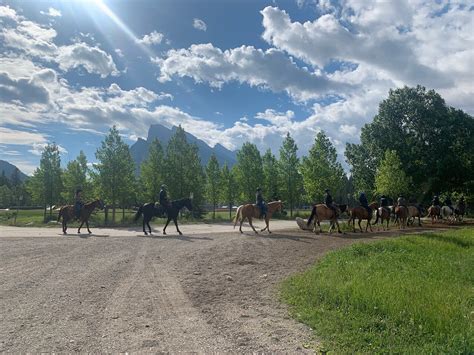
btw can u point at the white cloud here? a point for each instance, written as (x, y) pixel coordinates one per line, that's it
(199, 24)
(38, 148)
(8, 12)
(52, 12)
(119, 52)
(92, 59)
(16, 137)
(152, 38)
(270, 69)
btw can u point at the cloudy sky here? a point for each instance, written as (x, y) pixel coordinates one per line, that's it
(227, 71)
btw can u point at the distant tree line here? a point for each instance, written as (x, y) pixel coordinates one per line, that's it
(416, 146)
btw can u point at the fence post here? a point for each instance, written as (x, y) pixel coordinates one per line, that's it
(106, 213)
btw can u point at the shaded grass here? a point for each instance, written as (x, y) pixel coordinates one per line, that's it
(413, 294)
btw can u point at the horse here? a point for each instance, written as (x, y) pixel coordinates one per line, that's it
(414, 212)
(434, 212)
(250, 211)
(321, 212)
(361, 213)
(459, 211)
(149, 210)
(447, 213)
(384, 213)
(402, 214)
(68, 213)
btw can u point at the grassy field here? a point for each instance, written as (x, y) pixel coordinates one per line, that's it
(413, 294)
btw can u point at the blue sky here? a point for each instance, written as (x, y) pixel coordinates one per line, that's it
(227, 71)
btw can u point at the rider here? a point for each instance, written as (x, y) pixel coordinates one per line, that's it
(435, 201)
(364, 203)
(78, 202)
(328, 202)
(261, 203)
(164, 201)
(384, 202)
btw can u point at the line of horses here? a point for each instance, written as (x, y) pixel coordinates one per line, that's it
(401, 215)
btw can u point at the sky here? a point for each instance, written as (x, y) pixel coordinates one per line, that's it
(228, 71)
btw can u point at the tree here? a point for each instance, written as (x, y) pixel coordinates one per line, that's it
(152, 171)
(434, 142)
(228, 187)
(45, 185)
(6, 196)
(213, 181)
(390, 179)
(115, 170)
(289, 171)
(320, 169)
(270, 176)
(183, 171)
(76, 176)
(249, 172)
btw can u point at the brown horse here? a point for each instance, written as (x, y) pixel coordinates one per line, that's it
(321, 212)
(414, 212)
(384, 214)
(361, 213)
(68, 214)
(250, 211)
(402, 214)
(435, 213)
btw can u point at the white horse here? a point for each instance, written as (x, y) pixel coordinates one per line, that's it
(447, 213)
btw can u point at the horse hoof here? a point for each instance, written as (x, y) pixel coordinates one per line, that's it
(145, 233)
(180, 233)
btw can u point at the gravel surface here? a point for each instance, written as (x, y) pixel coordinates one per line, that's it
(211, 289)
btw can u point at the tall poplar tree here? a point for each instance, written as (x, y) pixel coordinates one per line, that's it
(213, 181)
(76, 176)
(249, 172)
(291, 180)
(228, 187)
(152, 171)
(270, 176)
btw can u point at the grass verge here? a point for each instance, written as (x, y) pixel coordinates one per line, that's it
(413, 294)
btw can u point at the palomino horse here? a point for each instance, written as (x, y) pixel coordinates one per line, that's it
(321, 212)
(434, 212)
(384, 213)
(149, 211)
(414, 212)
(250, 211)
(68, 214)
(402, 214)
(361, 213)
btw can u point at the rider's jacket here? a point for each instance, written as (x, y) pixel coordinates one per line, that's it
(259, 199)
(383, 202)
(163, 197)
(363, 200)
(328, 199)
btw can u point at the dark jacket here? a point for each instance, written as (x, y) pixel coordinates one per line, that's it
(448, 202)
(363, 200)
(328, 199)
(163, 197)
(383, 202)
(435, 201)
(259, 199)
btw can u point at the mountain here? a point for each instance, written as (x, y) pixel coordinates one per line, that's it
(139, 149)
(9, 169)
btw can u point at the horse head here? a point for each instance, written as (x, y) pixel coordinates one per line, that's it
(188, 204)
(100, 204)
(342, 208)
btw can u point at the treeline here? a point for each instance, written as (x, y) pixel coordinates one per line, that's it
(416, 146)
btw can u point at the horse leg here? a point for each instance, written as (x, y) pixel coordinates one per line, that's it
(338, 228)
(241, 222)
(64, 227)
(251, 225)
(369, 224)
(419, 221)
(266, 225)
(149, 227)
(79, 230)
(175, 220)
(360, 226)
(87, 225)
(143, 225)
(166, 225)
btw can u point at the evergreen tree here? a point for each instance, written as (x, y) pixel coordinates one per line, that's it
(45, 185)
(213, 182)
(321, 170)
(115, 169)
(76, 176)
(6, 196)
(228, 187)
(152, 171)
(270, 176)
(291, 180)
(249, 172)
(4, 180)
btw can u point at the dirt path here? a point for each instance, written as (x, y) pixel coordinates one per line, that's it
(118, 291)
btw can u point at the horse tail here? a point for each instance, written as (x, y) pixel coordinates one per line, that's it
(139, 213)
(237, 215)
(313, 213)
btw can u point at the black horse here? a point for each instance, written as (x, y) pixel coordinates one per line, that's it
(149, 210)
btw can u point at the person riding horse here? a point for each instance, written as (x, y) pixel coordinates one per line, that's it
(329, 202)
(384, 202)
(261, 203)
(364, 203)
(435, 202)
(78, 203)
(163, 198)
(402, 202)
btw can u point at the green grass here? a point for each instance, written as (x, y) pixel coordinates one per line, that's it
(413, 294)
